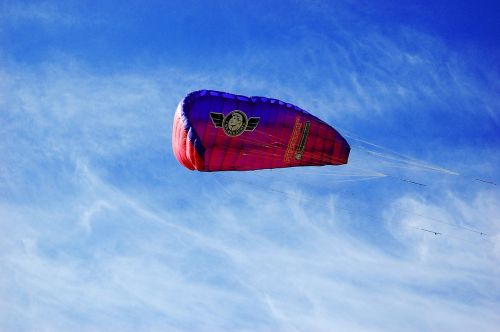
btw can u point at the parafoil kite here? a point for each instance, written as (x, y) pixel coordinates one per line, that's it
(219, 131)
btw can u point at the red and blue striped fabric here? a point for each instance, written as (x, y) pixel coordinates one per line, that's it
(219, 131)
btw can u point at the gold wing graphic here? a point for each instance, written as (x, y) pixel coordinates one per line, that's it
(252, 123)
(217, 119)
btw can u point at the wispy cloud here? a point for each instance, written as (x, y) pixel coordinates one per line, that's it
(103, 230)
(254, 264)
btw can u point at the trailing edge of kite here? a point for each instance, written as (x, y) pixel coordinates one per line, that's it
(219, 131)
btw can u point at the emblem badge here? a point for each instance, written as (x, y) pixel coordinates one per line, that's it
(235, 123)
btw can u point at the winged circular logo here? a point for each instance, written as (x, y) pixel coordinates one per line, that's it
(235, 123)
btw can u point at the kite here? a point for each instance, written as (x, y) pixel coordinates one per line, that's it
(219, 131)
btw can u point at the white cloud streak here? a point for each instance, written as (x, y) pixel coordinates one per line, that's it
(155, 264)
(102, 231)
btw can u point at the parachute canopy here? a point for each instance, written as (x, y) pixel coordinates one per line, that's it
(219, 131)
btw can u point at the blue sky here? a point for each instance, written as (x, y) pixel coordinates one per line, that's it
(102, 230)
